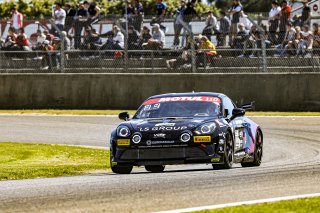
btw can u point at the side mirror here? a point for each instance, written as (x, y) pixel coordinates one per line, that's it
(237, 112)
(124, 116)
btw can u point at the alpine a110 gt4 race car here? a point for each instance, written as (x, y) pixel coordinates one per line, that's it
(181, 128)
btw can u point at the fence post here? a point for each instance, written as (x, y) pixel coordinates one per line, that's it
(264, 54)
(126, 39)
(62, 53)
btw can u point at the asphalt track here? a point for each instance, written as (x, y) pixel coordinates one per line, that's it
(291, 166)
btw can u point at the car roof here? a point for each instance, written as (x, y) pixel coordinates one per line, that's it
(220, 95)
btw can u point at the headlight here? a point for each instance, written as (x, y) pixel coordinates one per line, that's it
(185, 137)
(136, 138)
(123, 131)
(206, 129)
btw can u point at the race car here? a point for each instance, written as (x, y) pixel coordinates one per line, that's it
(183, 128)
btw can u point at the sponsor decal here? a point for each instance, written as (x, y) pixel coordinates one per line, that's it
(159, 135)
(202, 139)
(315, 8)
(114, 163)
(165, 146)
(215, 160)
(186, 98)
(165, 124)
(150, 143)
(163, 128)
(123, 142)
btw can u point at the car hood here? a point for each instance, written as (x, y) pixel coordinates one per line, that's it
(168, 124)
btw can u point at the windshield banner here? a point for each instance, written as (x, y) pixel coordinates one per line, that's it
(185, 98)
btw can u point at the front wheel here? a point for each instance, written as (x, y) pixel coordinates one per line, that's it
(122, 169)
(228, 154)
(155, 168)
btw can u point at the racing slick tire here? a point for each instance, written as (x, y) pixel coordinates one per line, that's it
(228, 154)
(122, 169)
(257, 155)
(155, 168)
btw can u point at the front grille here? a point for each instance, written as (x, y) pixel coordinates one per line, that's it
(162, 153)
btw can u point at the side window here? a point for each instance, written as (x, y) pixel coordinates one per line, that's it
(228, 107)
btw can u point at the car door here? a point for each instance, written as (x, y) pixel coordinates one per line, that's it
(238, 128)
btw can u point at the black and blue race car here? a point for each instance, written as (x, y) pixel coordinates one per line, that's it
(182, 128)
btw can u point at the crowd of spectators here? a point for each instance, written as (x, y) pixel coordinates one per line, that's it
(232, 28)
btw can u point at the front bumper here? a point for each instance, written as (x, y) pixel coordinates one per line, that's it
(166, 156)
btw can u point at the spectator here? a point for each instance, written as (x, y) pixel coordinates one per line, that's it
(67, 42)
(177, 24)
(47, 55)
(235, 13)
(16, 19)
(184, 60)
(305, 43)
(206, 52)
(187, 15)
(240, 40)
(255, 40)
(137, 15)
(211, 26)
(273, 19)
(70, 14)
(93, 11)
(48, 35)
(288, 40)
(91, 41)
(59, 19)
(158, 39)
(116, 42)
(22, 42)
(285, 16)
(316, 40)
(305, 17)
(81, 19)
(245, 20)
(133, 39)
(145, 35)
(41, 37)
(223, 29)
(10, 40)
(161, 9)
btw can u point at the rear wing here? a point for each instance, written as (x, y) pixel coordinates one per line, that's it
(248, 106)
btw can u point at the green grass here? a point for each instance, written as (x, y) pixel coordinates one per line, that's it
(131, 112)
(25, 160)
(306, 205)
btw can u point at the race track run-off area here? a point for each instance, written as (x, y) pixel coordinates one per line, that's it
(291, 166)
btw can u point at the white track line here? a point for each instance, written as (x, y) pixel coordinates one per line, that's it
(250, 202)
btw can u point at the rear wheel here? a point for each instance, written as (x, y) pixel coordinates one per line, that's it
(228, 154)
(257, 155)
(155, 168)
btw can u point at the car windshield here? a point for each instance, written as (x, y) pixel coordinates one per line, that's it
(195, 106)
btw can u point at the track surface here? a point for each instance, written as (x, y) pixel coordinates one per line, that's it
(291, 166)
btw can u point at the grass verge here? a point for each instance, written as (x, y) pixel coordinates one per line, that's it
(131, 112)
(25, 160)
(305, 205)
